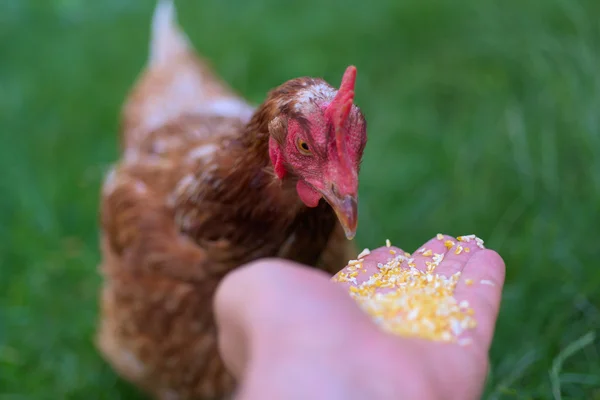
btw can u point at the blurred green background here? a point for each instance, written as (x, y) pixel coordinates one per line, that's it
(484, 117)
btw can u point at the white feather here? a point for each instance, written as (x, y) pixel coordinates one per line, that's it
(167, 39)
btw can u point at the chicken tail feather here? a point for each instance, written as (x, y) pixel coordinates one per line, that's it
(167, 40)
(175, 81)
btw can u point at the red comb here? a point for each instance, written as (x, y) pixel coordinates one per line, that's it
(340, 109)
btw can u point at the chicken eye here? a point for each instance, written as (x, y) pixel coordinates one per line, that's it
(303, 147)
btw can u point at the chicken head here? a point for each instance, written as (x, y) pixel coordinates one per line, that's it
(318, 138)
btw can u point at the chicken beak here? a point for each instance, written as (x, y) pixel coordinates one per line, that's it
(346, 209)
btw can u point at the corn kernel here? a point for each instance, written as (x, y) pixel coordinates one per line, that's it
(364, 253)
(416, 303)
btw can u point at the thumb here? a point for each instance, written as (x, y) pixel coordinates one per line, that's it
(265, 306)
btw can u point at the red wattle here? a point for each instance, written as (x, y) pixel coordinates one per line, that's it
(309, 196)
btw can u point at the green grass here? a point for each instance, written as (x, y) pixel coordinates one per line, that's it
(484, 117)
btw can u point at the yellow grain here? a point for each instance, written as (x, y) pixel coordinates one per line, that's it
(416, 303)
(364, 253)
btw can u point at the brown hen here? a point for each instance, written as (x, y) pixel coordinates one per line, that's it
(205, 183)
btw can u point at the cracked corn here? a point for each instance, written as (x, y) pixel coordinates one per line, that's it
(406, 301)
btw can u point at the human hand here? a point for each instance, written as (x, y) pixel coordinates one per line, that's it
(287, 331)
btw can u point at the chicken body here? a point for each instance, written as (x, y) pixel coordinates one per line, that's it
(192, 197)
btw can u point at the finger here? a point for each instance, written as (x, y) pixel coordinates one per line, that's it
(264, 306)
(481, 286)
(458, 252)
(429, 256)
(365, 265)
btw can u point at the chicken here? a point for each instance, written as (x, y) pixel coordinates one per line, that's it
(205, 183)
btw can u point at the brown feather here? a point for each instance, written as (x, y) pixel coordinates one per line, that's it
(192, 198)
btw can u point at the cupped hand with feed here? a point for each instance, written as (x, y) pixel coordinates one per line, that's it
(287, 331)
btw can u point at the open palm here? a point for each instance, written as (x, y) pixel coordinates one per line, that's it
(287, 331)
